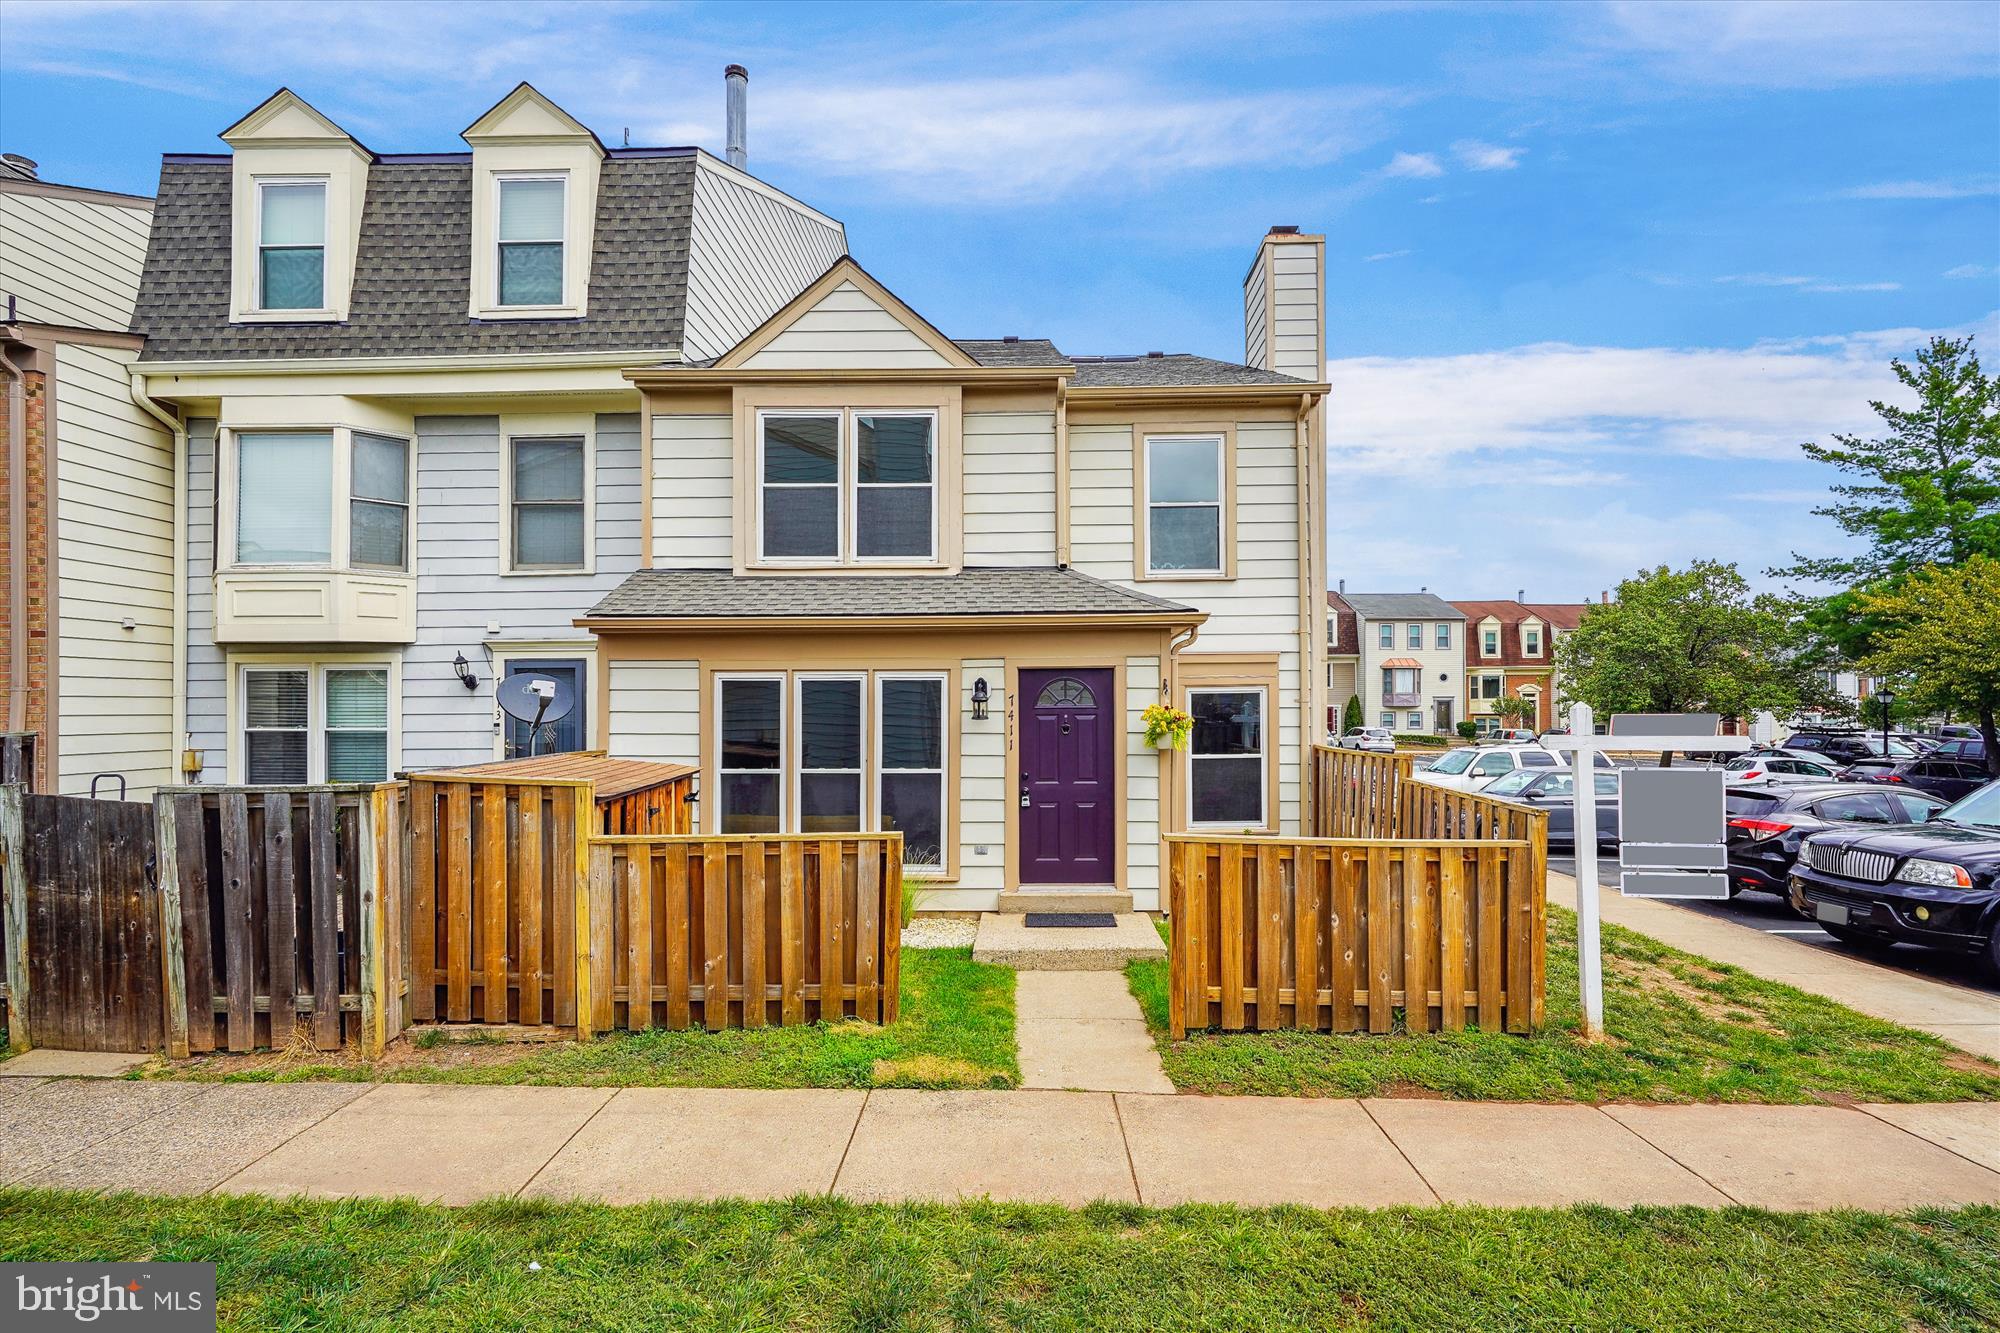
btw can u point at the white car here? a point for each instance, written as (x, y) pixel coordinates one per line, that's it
(1471, 767)
(1379, 740)
(1780, 766)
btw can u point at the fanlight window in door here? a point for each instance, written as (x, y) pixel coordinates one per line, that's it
(1063, 692)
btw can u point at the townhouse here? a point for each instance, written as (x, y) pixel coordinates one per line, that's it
(633, 420)
(87, 476)
(1510, 653)
(1401, 654)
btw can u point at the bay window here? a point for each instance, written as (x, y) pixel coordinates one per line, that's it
(547, 523)
(308, 722)
(379, 507)
(1184, 503)
(1226, 757)
(284, 498)
(847, 487)
(532, 211)
(751, 737)
(291, 245)
(910, 754)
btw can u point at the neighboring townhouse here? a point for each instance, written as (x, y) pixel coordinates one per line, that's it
(87, 492)
(900, 580)
(1402, 654)
(1510, 653)
(409, 455)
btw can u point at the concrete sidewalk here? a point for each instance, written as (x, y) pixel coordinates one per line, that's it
(1965, 1018)
(456, 1144)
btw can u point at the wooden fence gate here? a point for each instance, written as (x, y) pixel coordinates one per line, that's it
(83, 907)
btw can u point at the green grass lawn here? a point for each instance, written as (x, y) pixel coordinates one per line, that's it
(956, 1030)
(825, 1264)
(1680, 1028)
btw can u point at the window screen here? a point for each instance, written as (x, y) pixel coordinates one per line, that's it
(1226, 757)
(801, 485)
(548, 503)
(291, 246)
(829, 756)
(1184, 505)
(284, 499)
(910, 741)
(357, 725)
(379, 509)
(753, 755)
(531, 242)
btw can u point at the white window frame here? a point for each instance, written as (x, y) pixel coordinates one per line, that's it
(797, 769)
(1531, 649)
(1389, 722)
(847, 486)
(1263, 757)
(324, 728)
(316, 668)
(583, 431)
(785, 748)
(230, 487)
(1220, 504)
(1416, 721)
(1492, 651)
(1444, 635)
(324, 308)
(942, 870)
(1385, 636)
(408, 505)
(1414, 637)
(562, 177)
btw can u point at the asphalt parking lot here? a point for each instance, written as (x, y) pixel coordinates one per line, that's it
(1774, 916)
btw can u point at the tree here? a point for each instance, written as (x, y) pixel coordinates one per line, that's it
(1692, 640)
(1941, 630)
(1930, 493)
(1351, 717)
(1516, 711)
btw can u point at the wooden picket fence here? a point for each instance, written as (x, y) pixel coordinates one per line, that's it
(742, 931)
(1343, 935)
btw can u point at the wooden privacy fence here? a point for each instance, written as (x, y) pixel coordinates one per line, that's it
(722, 932)
(521, 911)
(1358, 794)
(1339, 934)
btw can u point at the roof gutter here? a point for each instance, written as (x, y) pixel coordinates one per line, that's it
(669, 377)
(1091, 395)
(361, 365)
(1173, 620)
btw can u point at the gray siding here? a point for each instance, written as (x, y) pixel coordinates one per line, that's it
(749, 252)
(460, 589)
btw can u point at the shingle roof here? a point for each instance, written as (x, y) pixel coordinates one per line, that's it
(1559, 617)
(412, 280)
(1014, 352)
(695, 594)
(1346, 640)
(1402, 606)
(1172, 368)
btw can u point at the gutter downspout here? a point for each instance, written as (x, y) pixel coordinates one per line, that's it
(1062, 474)
(178, 430)
(1312, 611)
(17, 528)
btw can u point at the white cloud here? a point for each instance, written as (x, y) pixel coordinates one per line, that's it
(1974, 271)
(1416, 166)
(1477, 156)
(1963, 188)
(1802, 43)
(1595, 406)
(1805, 284)
(1386, 254)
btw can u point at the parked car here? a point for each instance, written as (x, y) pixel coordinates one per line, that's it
(1516, 736)
(1554, 790)
(1471, 767)
(1969, 748)
(1849, 746)
(1936, 884)
(1378, 740)
(1948, 779)
(1767, 821)
(1780, 766)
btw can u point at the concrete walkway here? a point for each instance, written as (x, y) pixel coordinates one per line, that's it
(456, 1144)
(1083, 1031)
(1965, 1018)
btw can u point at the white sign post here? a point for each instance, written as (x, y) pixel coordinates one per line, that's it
(1584, 745)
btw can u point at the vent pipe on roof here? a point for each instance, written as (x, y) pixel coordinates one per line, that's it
(27, 166)
(1521, 595)
(736, 114)
(1343, 587)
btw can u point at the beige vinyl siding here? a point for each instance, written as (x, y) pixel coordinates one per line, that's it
(749, 252)
(115, 551)
(1296, 295)
(690, 477)
(846, 329)
(1010, 488)
(71, 261)
(655, 711)
(1258, 610)
(982, 787)
(1256, 313)
(1142, 787)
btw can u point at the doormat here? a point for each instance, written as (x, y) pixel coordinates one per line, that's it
(1092, 920)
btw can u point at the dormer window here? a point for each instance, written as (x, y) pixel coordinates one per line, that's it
(291, 245)
(532, 212)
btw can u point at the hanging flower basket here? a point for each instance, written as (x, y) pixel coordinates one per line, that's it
(1167, 727)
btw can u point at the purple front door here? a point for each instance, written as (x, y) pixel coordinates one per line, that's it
(1068, 772)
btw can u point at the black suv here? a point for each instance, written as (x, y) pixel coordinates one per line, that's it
(1767, 821)
(1935, 884)
(1848, 746)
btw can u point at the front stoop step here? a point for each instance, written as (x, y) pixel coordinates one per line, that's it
(1005, 939)
(1115, 901)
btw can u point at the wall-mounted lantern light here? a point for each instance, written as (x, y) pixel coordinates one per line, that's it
(463, 670)
(980, 696)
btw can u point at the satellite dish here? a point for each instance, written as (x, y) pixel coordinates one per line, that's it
(535, 699)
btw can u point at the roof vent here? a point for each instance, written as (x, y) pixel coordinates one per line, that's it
(27, 166)
(1011, 338)
(1155, 356)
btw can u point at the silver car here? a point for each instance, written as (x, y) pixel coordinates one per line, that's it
(1780, 766)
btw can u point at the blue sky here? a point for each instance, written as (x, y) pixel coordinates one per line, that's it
(1594, 270)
